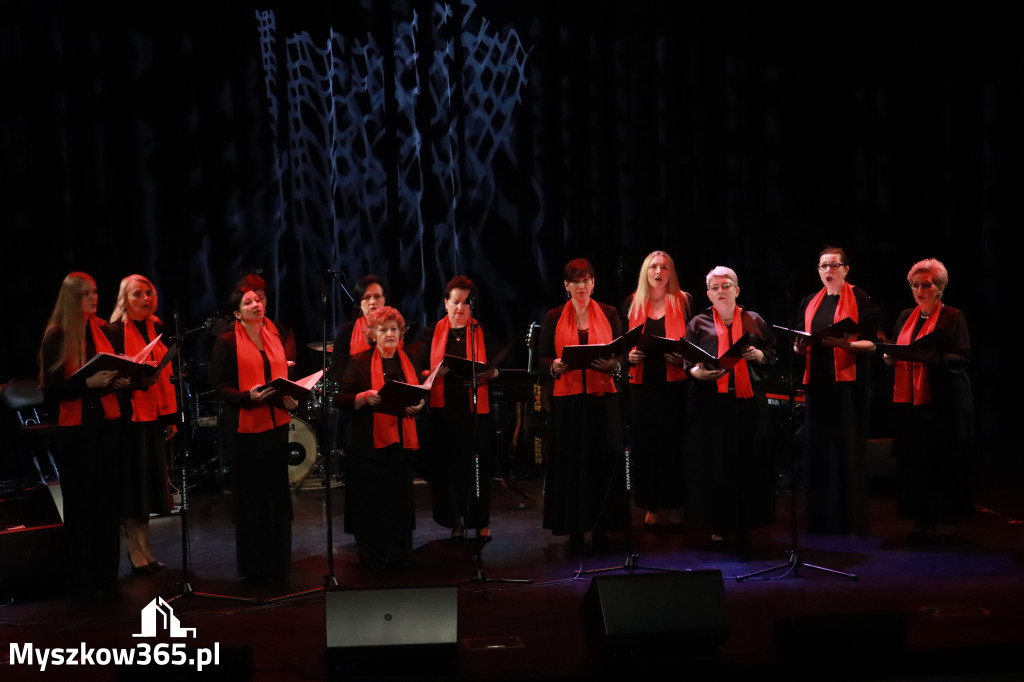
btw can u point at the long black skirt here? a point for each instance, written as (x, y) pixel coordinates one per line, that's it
(657, 439)
(262, 504)
(585, 481)
(380, 507)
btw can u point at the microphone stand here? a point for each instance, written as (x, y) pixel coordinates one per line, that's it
(478, 574)
(186, 585)
(793, 564)
(330, 580)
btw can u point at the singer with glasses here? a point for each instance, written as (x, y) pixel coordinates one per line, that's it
(351, 339)
(657, 393)
(729, 468)
(837, 382)
(584, 481)
(88, 429)
(151, 414)
(461, 432)
(933, 412)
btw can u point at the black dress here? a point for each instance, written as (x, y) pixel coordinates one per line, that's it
(933, 443)
(144, 481)
(657, 433)
(836, 427)
(379, 502)
(729, 466)
(584, 481)
(86, 457)
(458, 489)
(260, 497)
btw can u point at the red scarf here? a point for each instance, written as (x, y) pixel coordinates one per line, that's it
(571, 383)
(675, 328)
(357, 343)
(741, 376)
(437, 348)
(70, 412)
(159, 398)
(385, 426)
(259, 418)
(911, 381)
(846, 361)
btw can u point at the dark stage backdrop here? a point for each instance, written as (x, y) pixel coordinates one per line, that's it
(418, 140)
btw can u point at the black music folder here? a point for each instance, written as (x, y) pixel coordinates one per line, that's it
(396, 396)
(727, 360)
(125, 366)
(929, 348)
(580, 356)
(836, 330)
(300, 390)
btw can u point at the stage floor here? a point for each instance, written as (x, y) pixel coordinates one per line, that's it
(962, 604)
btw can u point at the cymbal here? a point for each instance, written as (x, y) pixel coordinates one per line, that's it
(319, 347)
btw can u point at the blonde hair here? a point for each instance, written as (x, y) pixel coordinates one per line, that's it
(121, 306)
(934, 267)
(67, 317)
(676, 298)
(722, 271)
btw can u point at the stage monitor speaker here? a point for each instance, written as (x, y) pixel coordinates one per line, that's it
(678, 613)
(392, 626)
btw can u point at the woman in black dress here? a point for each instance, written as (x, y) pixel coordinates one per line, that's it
(461, 431)
(87, 435)
(837, 381)
(584, 483)
(379, 504)
(151, 414)
(933, 411)
(657, 394)
(729, 470)
(256, 433)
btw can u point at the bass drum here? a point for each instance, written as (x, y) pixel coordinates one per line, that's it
(302, 451)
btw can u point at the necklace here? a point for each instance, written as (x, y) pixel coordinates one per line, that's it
(459, 334)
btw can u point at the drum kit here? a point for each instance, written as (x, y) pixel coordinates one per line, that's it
(305, 454)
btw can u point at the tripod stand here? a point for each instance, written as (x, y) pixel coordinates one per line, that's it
(632, 561)
(793, 564)
(186, 559)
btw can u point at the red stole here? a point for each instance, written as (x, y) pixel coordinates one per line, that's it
(357, 343)
(846, 361)
(159, 398)
(259, 418)
(70, 413)
(571, 382)
(385, 426)
(675, 328)
(437, 348)
(911, 380)
(725, 340)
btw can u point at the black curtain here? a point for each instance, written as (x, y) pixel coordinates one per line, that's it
(420, 140)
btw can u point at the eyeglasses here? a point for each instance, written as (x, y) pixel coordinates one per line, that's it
(830, 266)
(724, 286)
(372, 297)
(921, 285)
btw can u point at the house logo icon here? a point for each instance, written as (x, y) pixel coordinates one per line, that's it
(158, 616)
